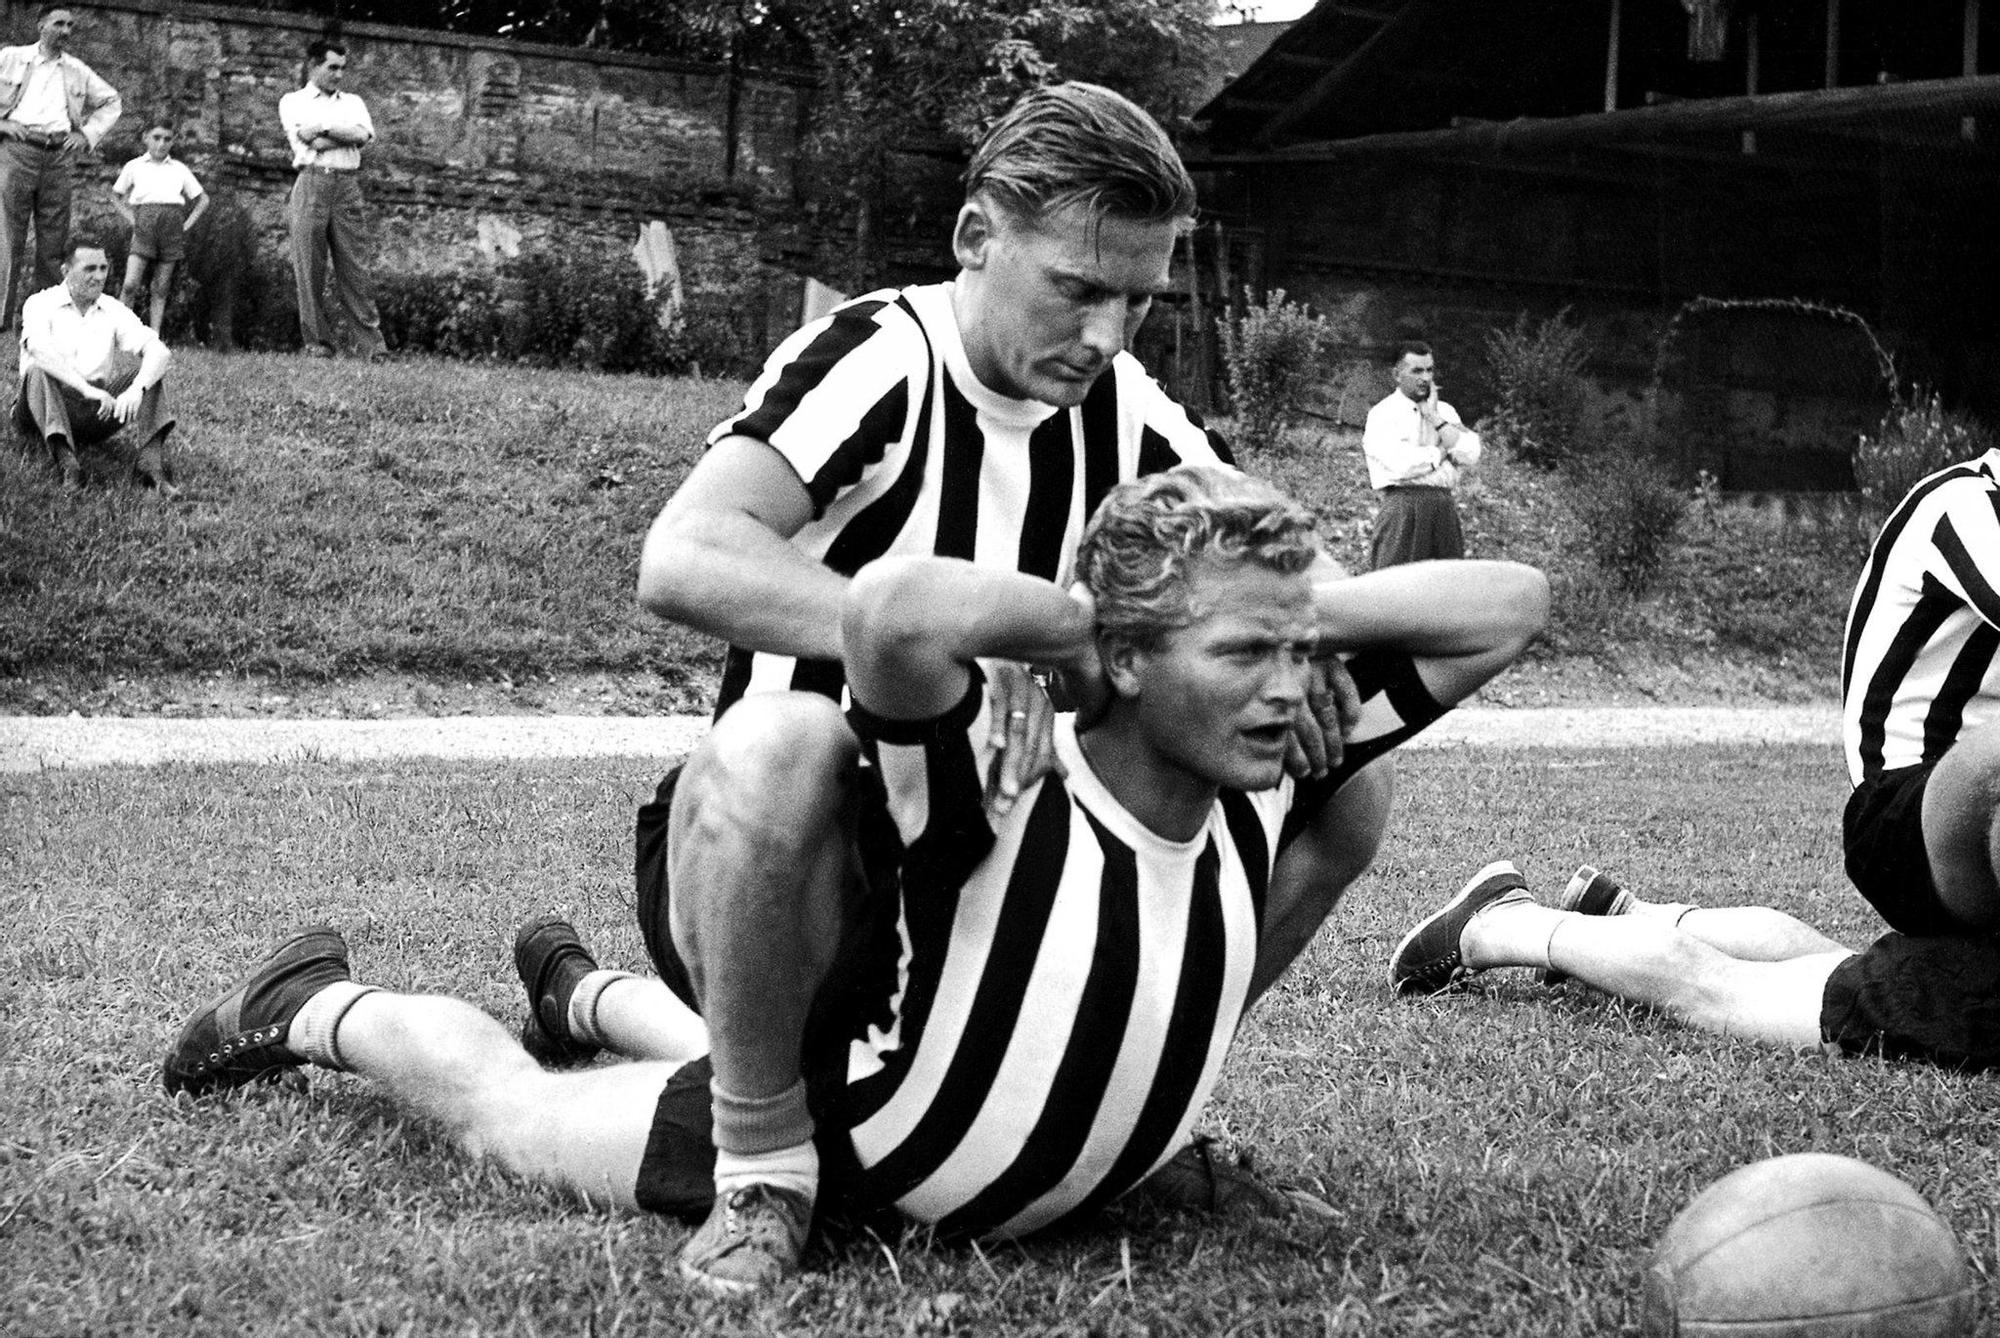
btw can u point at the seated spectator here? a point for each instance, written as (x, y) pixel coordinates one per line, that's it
(90, 369)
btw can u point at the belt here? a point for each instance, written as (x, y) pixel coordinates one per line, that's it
(326, 171)
(43, 139)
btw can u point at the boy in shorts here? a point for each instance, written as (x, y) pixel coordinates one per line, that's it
(154, 192)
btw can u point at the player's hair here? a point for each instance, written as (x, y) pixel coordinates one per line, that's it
(43, 11)
(320, 48)
(82, 243)
(161, 122)
(1081, 144)
(1147, 536)
(1407, 348)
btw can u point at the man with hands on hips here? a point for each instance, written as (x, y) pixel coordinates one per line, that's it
(54, 109)
(1416, 444)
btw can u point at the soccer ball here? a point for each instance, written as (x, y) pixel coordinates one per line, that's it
(1808, 1246)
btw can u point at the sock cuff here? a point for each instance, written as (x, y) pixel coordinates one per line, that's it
(749, 1125)
(583, 1001)
(319, 1022)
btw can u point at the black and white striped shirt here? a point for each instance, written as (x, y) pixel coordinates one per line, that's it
(1918, 666)
(1065, 983)
(903, 450)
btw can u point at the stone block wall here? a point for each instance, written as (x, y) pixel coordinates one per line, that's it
(482, 145)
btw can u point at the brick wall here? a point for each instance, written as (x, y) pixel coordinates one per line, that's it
(481, 143)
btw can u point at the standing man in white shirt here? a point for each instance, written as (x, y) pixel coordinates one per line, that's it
(53, 110)
(329, 220)
(90, 369)
(1416, 444)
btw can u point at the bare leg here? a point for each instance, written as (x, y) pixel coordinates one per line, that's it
(1961, 817)
(640, 1018)
(1319, 866)
(1649, 961)
(135, 280)
(1747, 933)
(163, 284)
(760, 862)
(584, 1130)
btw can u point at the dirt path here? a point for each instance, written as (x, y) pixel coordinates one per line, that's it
(36, 743)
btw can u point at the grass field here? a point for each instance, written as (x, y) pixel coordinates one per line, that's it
(475, 522)
(1499, 1159)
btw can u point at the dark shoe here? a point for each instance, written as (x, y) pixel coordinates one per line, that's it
(1199, 1179)
(69, 469)
(1427, 960)
(240, 1036)
(753, 1240)
(551, 960)
(1589, 893)
(152, 471)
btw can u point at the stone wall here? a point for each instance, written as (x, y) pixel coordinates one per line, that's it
(483, 146)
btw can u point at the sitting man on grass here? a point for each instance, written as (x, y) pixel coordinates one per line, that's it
(91, 369)
(1746, 971)
(1037, 1021)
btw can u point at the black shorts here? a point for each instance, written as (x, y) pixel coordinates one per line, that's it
(159, 231)
(1883, 830)
(1936, 999)
(855, 994)
(677, 1173)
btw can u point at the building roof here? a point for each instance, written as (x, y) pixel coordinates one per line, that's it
(1504, 77)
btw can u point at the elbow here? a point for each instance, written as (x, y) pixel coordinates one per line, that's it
(1525, 601)
(665, 562)
(883, 608)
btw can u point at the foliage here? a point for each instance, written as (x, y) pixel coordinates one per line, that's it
(893, 74)
(1536, 368)
(1628, 508)
(1274, 352)
(573, 301)
(1917, 437)
(457, 314)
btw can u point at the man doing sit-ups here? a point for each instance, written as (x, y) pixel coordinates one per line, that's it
(1035, 1019)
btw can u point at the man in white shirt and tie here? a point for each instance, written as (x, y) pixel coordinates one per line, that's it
(90, 369)
(327, 130)
(1416, 444)
(53, 110)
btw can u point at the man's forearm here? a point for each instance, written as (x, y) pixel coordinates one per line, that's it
(152, 366)
(1431, 608)
(732, 578)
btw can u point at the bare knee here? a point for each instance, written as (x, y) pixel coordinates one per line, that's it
(786, 754)
(1961, 821)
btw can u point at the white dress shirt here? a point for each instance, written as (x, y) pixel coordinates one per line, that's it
(308, 106)
(1402, 453)
(53, 330)
(43, 105)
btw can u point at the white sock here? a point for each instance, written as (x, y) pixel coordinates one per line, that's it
(313, 1035)
(583, 1004)
(795, 1168)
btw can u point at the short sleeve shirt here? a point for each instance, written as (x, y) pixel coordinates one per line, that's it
(902, 450)
(144, 181)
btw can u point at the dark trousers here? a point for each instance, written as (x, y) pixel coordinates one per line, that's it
(53, 411)
(329, 226)
(35, 183)
(1415, 525)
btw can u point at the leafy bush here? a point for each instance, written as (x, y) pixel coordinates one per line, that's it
(583, 304)
(1537, 373)
(1273, 353)
(1629, 509)
(459, 314)
(1917, 437)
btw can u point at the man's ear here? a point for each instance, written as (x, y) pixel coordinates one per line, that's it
(1123, 659)
(974, 234)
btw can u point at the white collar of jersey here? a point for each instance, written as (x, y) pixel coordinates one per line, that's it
(1091, 791)
(943, 324)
